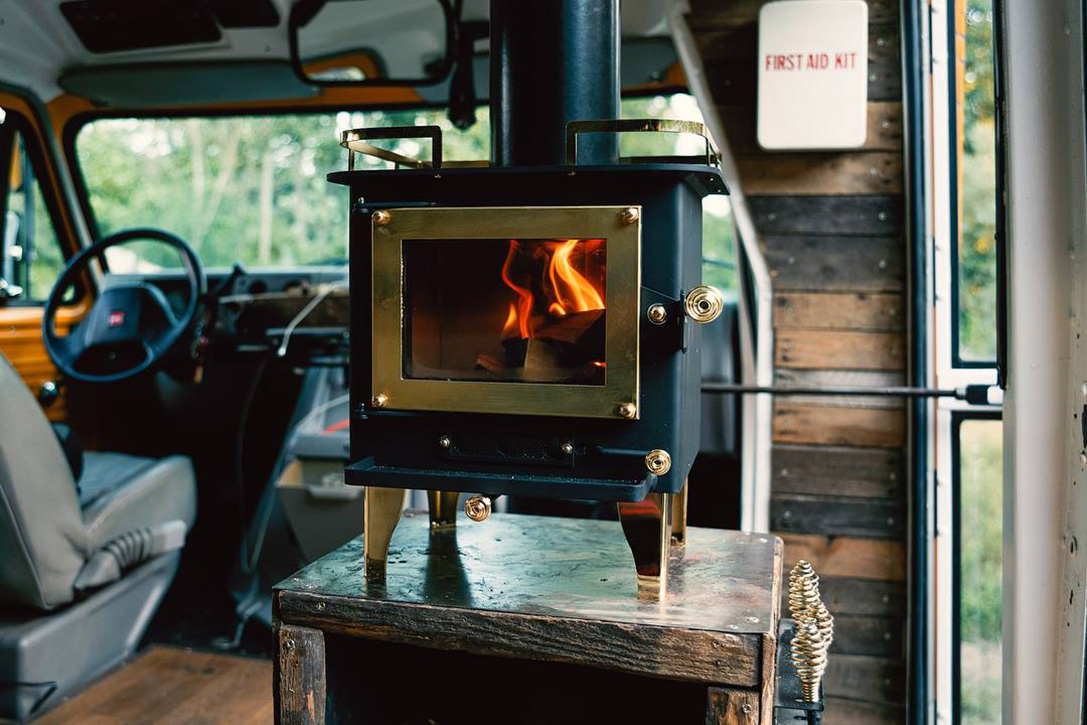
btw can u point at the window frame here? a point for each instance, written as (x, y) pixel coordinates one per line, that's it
(17, 123)
(950, 370)
(948, 257)
(957, 418)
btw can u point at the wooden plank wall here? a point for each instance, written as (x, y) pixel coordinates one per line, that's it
(831, 226)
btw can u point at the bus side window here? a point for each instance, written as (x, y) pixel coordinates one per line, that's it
(31, 258)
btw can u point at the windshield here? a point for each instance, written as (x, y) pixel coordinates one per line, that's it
(252, 189)
(246, 189)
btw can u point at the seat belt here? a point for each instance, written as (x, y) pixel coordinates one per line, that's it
(129, 550)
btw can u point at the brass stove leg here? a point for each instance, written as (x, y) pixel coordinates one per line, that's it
(381, 514)
(648, 527)
(679, 517)
(443, 508)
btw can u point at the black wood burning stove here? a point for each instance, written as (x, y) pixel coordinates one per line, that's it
(530, 327)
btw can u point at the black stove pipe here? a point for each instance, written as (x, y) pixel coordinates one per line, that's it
(552, 61)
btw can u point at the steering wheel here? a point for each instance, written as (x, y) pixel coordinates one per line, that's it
(130, 327)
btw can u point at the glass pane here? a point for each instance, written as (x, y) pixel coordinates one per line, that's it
(718, 234)
(681, 106)
(512, 310)
(143, 256)
(32, 256)
(980, 565)
(718, 244)
(246, 189)
(977, 232)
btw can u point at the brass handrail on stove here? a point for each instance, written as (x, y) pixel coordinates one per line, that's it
(355, 141)
(643, 125)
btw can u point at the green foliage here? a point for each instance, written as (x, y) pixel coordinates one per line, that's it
(977, 245)
(980, 588)
(980, 683)
(978, 73)
(982, 523)
(977, 248)
(253, 189)
(48, 258)
(250, 190)
(718, 230)
(240, 189)
(43, 258)
(981, 482)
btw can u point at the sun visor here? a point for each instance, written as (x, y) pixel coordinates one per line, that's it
(181, 84)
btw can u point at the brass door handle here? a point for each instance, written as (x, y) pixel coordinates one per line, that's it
(704, 303)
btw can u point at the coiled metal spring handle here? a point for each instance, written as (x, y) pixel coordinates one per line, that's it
(812, 636)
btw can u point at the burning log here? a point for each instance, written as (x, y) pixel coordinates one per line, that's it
(543, 362)
(554, 328)
(584, 330)
(562, 348)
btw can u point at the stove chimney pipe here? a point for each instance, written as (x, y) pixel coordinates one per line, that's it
(552, 61)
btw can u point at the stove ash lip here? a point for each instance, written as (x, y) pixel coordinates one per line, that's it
(374, 189)
(630, 480)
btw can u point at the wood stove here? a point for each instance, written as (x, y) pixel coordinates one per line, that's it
(530, 327)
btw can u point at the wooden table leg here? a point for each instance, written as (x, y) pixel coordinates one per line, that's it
(731, 707)
(300, 676)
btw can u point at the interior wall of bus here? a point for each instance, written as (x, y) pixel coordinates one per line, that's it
(833, 231)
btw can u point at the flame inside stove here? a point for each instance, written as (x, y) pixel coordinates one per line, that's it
(560, 290)
(518, 318)
(570, 286)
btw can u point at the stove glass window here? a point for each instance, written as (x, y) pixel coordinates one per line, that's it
(505, 310)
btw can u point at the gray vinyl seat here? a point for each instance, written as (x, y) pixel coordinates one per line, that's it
(83, 565)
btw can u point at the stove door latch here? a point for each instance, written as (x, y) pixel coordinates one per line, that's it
(666, 321)
(663, 323)
(704, 303)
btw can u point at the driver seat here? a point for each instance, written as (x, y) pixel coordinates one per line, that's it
(80, 575)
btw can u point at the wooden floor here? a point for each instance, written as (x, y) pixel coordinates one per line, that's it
(170, 685)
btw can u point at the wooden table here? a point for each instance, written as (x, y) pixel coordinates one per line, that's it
(526, 619)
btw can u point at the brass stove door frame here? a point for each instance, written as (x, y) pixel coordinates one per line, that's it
(619, 225)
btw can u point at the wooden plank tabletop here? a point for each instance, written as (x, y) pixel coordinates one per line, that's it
(556, 589)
